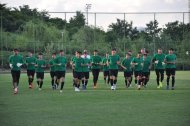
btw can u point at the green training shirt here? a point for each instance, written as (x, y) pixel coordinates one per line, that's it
(137, 67)
(14, 59)
(60, 60)
(146, 64)
(40, 63)
(113, 61)
(78, 64)
(105, 67)
(127, 63)
(94, 60)
(170, 58)
(30, 61)
(86, 68)
(53, 65)
(160, 58)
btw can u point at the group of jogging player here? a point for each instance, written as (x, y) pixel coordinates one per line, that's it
(139, 66)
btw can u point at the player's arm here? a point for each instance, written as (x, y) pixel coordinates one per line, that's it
(122, 64)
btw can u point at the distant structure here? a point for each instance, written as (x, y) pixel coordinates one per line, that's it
(189, 11)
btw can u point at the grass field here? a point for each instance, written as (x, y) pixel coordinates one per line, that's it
(100, 107)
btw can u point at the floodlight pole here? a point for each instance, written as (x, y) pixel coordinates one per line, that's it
(88, 6)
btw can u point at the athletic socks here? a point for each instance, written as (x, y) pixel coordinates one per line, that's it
(168, 80)
(162, 77)
(135, 81)
(111, 82)
(115, 81)
(108, 81)
(86, 82)
(157, 80)
(52, 82)
(126, 83)
(38, 82)
(41, 83)
(62, 85)
(173, 81)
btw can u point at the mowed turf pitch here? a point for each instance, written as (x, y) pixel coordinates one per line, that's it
(99, 107)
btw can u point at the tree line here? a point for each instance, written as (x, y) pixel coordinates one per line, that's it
(29, 29)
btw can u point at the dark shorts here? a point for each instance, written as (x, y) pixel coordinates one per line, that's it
(60, 74)
(52, 74)
(145, 74)
(159, 71)
(113, 73)
(15, 75)
(170, 71)
(106, 73)
(78, 75)
(30, 73)
(127, 74)
(40, 75)
(138, 73)
(85, 75)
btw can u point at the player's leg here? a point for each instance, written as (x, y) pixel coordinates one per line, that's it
(52, 79)
(41, 80)
(86, 78)
(157, 77)
(173, 77)
(129, 77)
(62, 80)
(32, 78)
(168, 78)
(162, 77)
(139, 78)
(125, 76)
(136, 75)
(115, 78)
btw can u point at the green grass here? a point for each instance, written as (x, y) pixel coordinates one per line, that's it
(100, 107)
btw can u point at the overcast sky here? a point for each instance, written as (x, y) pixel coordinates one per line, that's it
(111, 6)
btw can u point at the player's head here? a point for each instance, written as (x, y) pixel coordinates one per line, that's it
(113, 51)
(130, 52)
(138, 54)
(30, 53)
(53, 55)
(40, 55)
(61, 52)
(78, 53)
(128, 55)
(171, 51)
(85, 53)
(145, 55)
(142, 50)
(159, 50)
(147, 52)
(15, 51)
(95, 52)
(107, 54)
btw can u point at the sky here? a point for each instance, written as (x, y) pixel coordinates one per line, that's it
(104, 20)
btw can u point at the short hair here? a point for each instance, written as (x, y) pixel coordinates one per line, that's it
(95, 50)
(171, 49)
(40, 54)
(15, 49)
(79, 52)
(60, 50)
(159, 48)
(145, 54)
(53, 53)
(114, 49)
